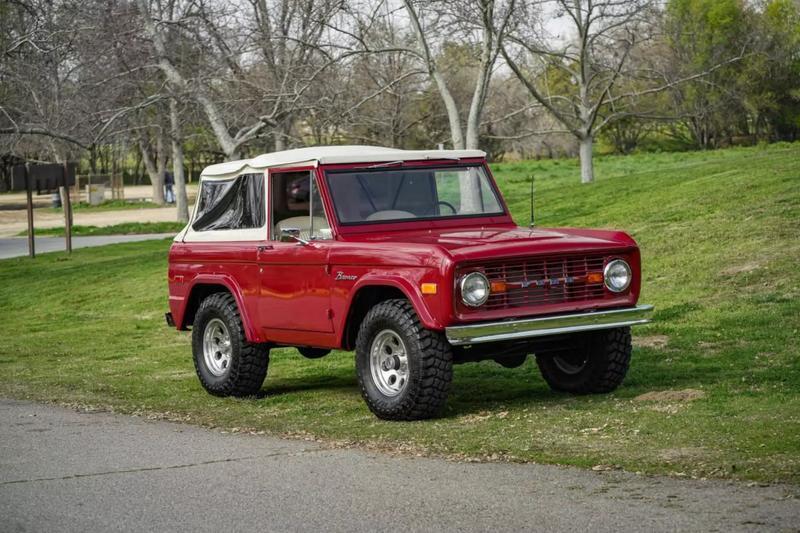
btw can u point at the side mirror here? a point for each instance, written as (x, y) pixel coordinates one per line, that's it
(292, 235)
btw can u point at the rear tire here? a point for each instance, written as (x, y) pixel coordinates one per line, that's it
(225, 362)
(598, 364)
(404, 370)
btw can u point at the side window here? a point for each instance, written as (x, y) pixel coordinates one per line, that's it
(296, 203)
(236, 203)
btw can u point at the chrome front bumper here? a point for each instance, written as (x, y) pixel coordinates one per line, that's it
(550, 325)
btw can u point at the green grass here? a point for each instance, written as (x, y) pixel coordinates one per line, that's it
(125, 228)
(719, 238)
(112, 205)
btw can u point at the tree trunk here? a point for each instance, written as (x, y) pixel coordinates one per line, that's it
(280, 137)
(475, 112)
(93, 159)
(470, 189)
(156, 177)
(482, 83)
(161, 165)
(453, 118)
(177, 162)
(587, 165)
(137, 168)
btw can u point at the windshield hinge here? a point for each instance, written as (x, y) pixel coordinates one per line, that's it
(387, 164)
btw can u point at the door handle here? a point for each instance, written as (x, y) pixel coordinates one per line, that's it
(264, 248)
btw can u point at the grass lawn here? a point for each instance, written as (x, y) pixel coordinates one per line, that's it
(125, 228)
(111, 205)
(719, 238)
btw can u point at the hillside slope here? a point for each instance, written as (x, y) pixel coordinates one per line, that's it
(719, 238)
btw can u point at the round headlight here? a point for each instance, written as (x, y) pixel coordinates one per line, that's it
(474, 289)
(617, 275)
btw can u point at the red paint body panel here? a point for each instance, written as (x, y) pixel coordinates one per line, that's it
(301, 295)
(232, 265)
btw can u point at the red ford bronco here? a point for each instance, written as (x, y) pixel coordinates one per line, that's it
(411, 259)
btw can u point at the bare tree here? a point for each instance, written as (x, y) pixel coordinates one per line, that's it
(586, 81)
(481, 19)
(293, 47)
(61, 86)
(577, 76)
(156, 19)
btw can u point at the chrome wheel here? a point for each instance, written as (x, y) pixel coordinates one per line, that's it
(388, 363)
(570, 365)
(217, 347)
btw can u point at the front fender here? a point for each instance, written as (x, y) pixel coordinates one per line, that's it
(422, 304)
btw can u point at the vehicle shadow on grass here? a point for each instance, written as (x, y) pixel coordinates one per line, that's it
(487, 386)
(286, 386)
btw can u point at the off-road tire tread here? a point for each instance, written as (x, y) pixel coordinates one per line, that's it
(249, 369)
(618, 354)
(427, 393)
(612, 354)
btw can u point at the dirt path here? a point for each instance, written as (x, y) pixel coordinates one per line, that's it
(13, 216)
(12, 223)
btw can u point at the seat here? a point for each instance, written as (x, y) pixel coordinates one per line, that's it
(304, 225)
(390, 214)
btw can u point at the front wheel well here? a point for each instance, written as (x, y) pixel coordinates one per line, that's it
(199, 293)
(364, 300)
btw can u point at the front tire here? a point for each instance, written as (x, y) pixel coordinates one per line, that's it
(225, 362)
(597, 363)
(404, 370)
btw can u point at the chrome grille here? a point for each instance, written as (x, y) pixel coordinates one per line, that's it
(538, 281)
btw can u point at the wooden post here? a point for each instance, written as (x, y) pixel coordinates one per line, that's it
(67, 206)
(29, 192)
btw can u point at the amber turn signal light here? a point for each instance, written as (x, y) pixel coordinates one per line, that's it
(499, 286)
(594, 277)
(429, 288)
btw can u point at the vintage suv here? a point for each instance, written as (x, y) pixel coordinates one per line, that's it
(411, 259)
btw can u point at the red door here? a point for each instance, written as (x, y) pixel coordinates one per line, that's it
(294, 293)
(295, 286)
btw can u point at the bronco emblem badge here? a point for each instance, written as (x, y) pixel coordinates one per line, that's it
(552, 282)
(341, 276)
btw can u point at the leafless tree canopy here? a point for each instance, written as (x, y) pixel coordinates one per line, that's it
(183, 83)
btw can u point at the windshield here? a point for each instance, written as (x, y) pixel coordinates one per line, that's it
(409, 194)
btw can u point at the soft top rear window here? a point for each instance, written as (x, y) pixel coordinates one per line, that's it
(237, 203)
(382, 195)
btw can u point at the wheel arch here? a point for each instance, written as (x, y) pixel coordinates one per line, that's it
(370, 292)
(203, 287)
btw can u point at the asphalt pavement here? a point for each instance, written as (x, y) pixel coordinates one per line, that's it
(18, 246)
(66, 470)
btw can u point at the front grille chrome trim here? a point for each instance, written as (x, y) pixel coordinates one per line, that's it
(550, 325)
(535, 281)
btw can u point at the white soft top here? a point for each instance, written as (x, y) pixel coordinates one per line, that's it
(316, 155)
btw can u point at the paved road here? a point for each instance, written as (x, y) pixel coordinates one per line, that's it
(18, 246)
(62, 470)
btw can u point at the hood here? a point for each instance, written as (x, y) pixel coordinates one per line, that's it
(487, 241)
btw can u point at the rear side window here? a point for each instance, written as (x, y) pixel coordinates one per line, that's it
(237, 203)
